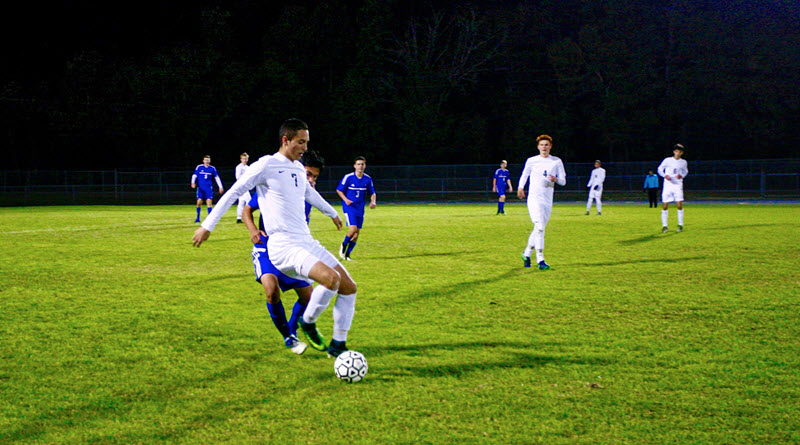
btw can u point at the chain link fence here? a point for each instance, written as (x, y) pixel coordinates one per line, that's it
(766, 179)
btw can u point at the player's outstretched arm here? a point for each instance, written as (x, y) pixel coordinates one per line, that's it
(200, 235)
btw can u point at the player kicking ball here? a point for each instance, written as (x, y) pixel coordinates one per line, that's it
(282, 188)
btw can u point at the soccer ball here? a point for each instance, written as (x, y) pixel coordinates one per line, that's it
(350, 366)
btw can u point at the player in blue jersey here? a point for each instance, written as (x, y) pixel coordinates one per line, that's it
(274, 281)
(354, 189)
(314, 163)
(500, 185)
(203, 180)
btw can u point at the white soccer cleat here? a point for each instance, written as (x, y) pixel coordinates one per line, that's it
(295, 345)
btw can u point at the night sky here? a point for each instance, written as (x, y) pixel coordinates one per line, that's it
(104, 85)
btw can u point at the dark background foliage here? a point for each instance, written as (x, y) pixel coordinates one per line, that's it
(402, 82)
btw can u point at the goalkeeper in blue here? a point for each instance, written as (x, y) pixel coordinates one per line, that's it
(354, 189)
(544, 172)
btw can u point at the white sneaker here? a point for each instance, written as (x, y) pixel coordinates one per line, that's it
(293, 343)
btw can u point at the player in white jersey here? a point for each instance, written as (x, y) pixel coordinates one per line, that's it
(544, 172)
(595, 186)
(245, 198)
(673, 170)
(282, 187)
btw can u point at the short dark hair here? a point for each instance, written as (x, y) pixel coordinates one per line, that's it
(313, 159)
(360, 158)
(290, 128)
(678, 147)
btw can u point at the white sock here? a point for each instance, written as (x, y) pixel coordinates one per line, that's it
(539, 255)
(320, 299)
(680, 217)
(588, 205)
(599, 206)
(664, 216)
(343, 311)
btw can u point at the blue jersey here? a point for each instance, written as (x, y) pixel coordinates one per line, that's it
(205, 176)
(502, 177)
(651, 181)
(357, 190)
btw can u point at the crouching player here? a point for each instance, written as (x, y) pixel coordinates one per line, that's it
(275, 282)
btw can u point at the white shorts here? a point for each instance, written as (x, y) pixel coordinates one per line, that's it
(539, 213)
(595, 194)
(295, 254)
(672, 192)
(245, 198)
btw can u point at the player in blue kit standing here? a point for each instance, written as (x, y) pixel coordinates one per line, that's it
(203, 180)
(502, 184)
(354, 189)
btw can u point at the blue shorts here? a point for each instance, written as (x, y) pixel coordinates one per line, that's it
(353, 219)
(263, 265)
(501, 192)
(205, 193)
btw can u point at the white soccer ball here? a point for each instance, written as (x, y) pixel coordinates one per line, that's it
(350, 366)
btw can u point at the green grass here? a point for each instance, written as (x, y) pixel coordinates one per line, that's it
(116, 330)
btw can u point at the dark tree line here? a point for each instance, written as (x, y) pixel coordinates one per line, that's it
(402, 82)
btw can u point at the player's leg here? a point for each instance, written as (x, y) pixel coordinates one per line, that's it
(599, 199)
(666, 198)
(589, 201)
(303, 296)
(539, 228)
(343, 311)
(501, 203)
(353, 231)
(533, 212)
(268, 276)
(679, 205)
(199, 205)
(209, 204)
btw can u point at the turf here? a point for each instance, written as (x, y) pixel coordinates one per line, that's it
(116, 330)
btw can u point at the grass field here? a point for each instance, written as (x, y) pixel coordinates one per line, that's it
(116, 330)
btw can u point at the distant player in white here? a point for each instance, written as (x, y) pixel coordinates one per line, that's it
(282, 187)
(595, 186)
(544, 172)
(673, 170)
(244, 199)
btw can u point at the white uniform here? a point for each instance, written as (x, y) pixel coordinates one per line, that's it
(673, 189)
(283, 189)
(540, 193)
(596, 189)
(244, 199)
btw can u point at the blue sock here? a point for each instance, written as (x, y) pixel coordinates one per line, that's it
(198, 213)
(278, 315)
(346, 241)
(350, 248)
(501, 207)
(210, 209)
(297, 312)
